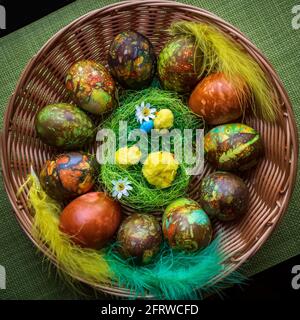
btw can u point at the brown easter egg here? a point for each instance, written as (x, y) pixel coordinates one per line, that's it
(224, 195)
(67, 176)
(218, 100)
(140, 237)
(91, 219)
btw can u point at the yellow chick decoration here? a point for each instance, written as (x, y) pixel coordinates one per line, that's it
(164, 119)
(160, 169)
(128, 156)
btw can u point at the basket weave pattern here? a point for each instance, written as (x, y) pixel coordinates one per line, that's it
(42, 82)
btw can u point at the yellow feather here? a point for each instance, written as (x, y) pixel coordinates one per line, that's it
(76, 261)
(222, 54)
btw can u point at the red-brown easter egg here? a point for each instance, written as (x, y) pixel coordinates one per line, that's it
(91, 220)
(218, 100)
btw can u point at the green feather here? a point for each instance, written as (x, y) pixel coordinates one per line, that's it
(175, 275)
(172, 275)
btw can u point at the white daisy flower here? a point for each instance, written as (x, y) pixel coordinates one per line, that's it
(144, 112)
(121, 188)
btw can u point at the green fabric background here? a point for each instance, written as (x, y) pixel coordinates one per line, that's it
(266, 23)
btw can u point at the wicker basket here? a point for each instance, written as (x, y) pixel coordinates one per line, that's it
(42, 82)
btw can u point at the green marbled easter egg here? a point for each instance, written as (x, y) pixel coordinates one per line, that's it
(233, 146)
(186, 226)
(64, 126)
(224, 195)
(91, 86)
(177, 65)
(140, 237)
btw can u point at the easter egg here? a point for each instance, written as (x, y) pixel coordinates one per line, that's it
(132, 60)
(186, 226)
(140, 237)
(128, 156)
(176, 64)
(147, 126)
(64, 126)
(164, 119)
(91, 86)
(91, 220)
(67, 176)
(233, 146)
(218, 100)
(224, 195)
(160, 169)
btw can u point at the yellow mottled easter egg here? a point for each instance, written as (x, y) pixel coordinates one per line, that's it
(128, 156)
(160, 169)
(164, 119)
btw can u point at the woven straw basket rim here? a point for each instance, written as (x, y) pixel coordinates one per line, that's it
(270, 185)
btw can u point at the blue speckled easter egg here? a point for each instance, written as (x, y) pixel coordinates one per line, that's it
(147, 126)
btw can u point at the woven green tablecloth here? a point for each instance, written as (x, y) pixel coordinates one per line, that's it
(267, 23)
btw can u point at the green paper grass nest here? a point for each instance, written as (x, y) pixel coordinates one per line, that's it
(144, 197)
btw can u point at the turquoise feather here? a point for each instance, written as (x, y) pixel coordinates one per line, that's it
(174, 275)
